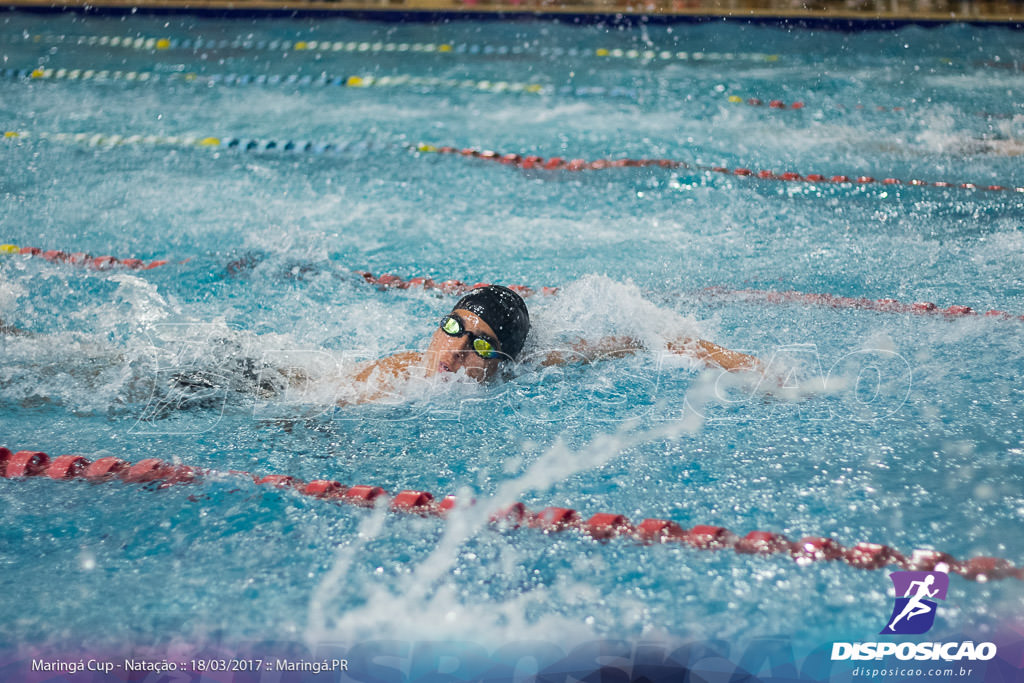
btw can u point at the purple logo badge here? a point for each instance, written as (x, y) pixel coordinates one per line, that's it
(916, 592)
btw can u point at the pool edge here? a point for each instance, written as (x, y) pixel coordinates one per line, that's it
(439, 10)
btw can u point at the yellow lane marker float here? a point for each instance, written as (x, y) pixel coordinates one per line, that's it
(108, 141)
(164, 43)
(115, 140)
(321, 80)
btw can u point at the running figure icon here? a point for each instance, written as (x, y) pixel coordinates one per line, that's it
(915, 608)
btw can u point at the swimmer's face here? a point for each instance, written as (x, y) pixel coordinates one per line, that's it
(448, 353)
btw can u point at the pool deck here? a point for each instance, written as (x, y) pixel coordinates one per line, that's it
(836, 13)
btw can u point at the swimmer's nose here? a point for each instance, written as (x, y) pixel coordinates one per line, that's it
(453, 356)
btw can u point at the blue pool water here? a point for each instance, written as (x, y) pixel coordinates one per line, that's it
(893, 428)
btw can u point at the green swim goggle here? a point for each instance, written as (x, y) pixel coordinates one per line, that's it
(482, 345)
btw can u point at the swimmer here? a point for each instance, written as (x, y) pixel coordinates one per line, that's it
(485, 331)
(488, 327)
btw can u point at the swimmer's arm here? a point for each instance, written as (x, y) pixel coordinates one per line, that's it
(588, 352)
(619, 347)
(392, 366)
(713, 354)
(386, 369)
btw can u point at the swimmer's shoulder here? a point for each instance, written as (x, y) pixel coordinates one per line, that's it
(395, 365)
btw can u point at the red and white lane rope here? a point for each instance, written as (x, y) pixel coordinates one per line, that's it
(772, 104)
(782, 105)
(796, 105)
(561, 164)
(601, 526)
(389, 281)
(793, 106)
(997, 64)
(832, 301)
(458, 287)
(261, 145)
(81, 258)
(254, 145)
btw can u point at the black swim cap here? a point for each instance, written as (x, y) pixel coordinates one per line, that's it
(502, 309)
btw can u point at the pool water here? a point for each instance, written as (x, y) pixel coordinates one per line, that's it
(892, 428)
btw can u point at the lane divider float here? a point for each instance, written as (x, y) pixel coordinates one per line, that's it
(793, 106)
(561, 164)
(390, 281)
(359, 81)
(212, 142)
(458, 287)
(781, 105)
(321, 80)
(81, 258)
(772, 104)
(528, 162)
(151, 43)
(155, 44)
(999, 64)
(846, 302)
(600, 526)
(362, 81)
(235, 79)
